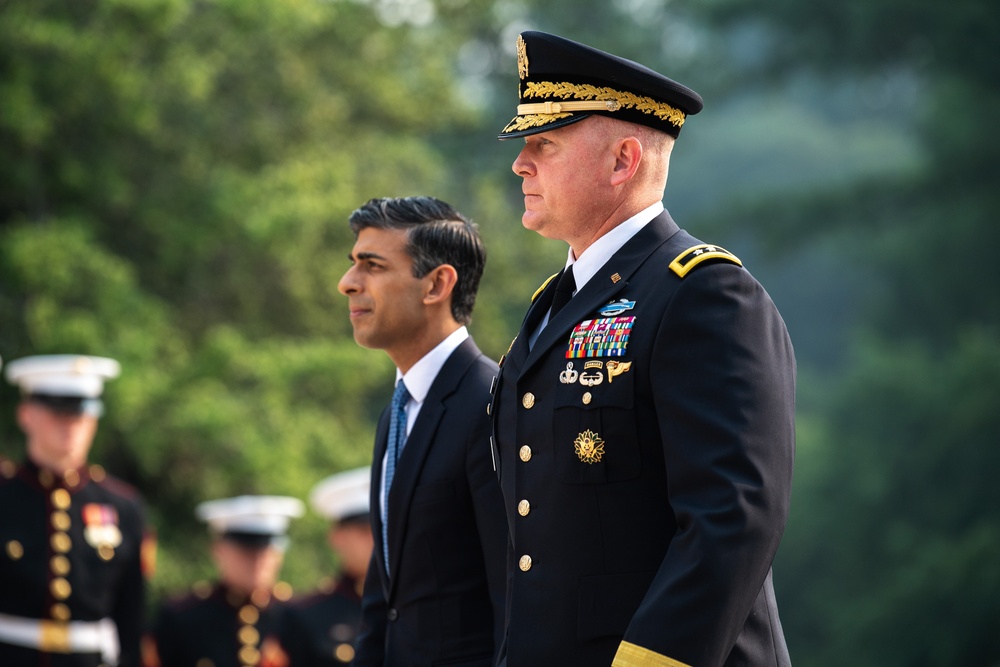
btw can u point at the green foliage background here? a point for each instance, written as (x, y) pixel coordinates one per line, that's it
(175, 176)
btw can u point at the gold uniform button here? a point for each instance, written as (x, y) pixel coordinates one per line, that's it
(71, 477)
(344, 653)
(106, 552)
(59, 565)
(523, 508)
(46, 478)
(249, 655)
(60, 520)
(60, 542)
(60, 499)
(248, 635)
(15, 550)
(524, 563)
(60, 589)
(282, 591)
(97, 473)
(525, 453)
(60, 612)
(587, 398)
(249, 614)
(528, 400)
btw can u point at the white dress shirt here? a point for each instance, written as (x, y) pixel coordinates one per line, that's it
(600, 251)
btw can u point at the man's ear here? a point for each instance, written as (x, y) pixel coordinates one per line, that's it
(440, 283)
(628, 155)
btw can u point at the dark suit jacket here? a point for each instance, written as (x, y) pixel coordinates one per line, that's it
(443, 603)
(656, 497)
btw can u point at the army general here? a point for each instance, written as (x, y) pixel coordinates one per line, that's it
(644, 414)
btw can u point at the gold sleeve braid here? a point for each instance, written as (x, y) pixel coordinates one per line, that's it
(632, 655)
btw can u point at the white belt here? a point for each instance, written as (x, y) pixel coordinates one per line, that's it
(62, 636)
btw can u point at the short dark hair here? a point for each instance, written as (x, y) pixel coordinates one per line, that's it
(436, 234)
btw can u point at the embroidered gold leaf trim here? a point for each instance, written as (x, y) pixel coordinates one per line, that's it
(564, 90)
(533, 120)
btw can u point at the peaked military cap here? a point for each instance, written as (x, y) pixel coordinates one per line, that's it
(254, 521)
(562, 82)
(344, 496)
(70, 383)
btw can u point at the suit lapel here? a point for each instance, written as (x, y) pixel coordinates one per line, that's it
(612, 278)
(419, 445)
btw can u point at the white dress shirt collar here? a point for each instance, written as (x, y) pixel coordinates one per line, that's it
(420, 377)
(601, 250)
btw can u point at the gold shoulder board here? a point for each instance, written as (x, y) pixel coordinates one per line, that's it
(542, 288)
(695, 255)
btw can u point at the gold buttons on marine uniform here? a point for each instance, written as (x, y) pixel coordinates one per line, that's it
(60, 542)
(60, 520)
(528, 400)
(60, 499)
(60, 612)
(249, 614)
(59, 565)
(523, 508)
(587, 398)
(344, 653)
(106, 552)
(71, 477)
(15, 550)
(248, 635)
(524, 563)
(60, 588)
(525, 453)
(249, 655)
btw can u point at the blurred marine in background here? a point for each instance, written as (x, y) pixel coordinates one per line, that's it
(234, 622)
(74, 551)
(320, 628)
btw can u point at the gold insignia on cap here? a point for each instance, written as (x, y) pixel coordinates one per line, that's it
(522, 58)
(589, 447)
(82, 365)
(618, 99)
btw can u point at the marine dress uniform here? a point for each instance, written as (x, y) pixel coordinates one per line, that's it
(72, 584)
(643, 432)
(216, 625)
(320, 627)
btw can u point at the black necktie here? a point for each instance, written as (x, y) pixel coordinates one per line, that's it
(564, 291)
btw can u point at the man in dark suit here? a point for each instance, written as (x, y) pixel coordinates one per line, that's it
(434, 590)
(74, 549)
(644, 414)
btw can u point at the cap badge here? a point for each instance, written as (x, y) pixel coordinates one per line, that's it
(522, 58)
(589, 447)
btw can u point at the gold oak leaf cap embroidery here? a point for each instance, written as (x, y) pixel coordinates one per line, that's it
(562, 82)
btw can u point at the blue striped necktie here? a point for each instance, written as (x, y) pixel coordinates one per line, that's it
(397, 436)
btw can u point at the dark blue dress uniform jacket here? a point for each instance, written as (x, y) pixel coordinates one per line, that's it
(655, 546)
(443, 601)
(70, 550)
(319, 629)
(215, 626)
